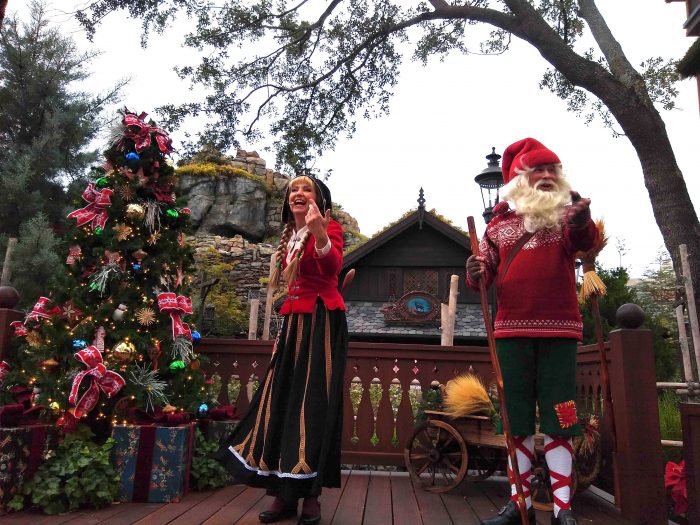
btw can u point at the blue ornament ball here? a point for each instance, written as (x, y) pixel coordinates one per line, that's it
(79, 344)
(136, 267)
(196, 336)
(132, 155)
(203, 410)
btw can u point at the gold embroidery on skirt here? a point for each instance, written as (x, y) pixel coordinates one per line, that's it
(329, 357)
(300, 332)
(263, 401)
(268, 408)
(302, 466)
(289, 322)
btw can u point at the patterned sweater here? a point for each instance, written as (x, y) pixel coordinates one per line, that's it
(537, 295)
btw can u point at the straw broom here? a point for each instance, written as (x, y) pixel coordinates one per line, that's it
(466, 395)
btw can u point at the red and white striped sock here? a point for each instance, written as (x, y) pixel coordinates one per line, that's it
(525, 453)
(559, 455)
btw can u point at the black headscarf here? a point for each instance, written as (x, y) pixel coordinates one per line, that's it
(321, 190)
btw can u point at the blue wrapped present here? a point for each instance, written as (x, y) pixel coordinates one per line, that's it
(153, 461)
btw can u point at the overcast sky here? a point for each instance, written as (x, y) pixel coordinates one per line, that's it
(446, 117)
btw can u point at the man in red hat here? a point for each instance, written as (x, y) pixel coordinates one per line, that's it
(528, 252)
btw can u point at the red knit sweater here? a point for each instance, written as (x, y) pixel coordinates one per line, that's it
(318, 276)
(537, 295)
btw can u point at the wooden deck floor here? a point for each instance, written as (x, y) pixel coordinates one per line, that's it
(366, 498)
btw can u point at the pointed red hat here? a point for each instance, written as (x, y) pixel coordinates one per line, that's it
(526, 153)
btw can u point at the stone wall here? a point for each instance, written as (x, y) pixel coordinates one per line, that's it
(239, 214)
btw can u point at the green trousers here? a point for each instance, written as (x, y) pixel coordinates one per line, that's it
(539, 372)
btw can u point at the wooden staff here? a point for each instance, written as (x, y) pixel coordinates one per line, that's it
(604, 375)
(512, 455)
(592, 289)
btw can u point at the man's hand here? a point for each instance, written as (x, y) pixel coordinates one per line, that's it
(475, 268)
(579, 213)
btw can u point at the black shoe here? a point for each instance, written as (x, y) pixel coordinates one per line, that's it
(566, 517)
(510, 515)
(310, 511)
(273, 515)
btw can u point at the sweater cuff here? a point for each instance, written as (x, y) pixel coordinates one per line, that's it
(325, 250)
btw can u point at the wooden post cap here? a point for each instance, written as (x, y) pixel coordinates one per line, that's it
(629, 315)
(9, 297)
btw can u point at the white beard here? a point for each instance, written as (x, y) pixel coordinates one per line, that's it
(539, 209)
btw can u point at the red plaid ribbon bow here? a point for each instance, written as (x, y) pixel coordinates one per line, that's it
(140, 132)
(20, 329)
(102, 379)
(176, 306)
(4, 370)
(40, 311)
(96, 210)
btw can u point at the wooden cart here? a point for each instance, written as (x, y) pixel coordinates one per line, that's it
(444, 451)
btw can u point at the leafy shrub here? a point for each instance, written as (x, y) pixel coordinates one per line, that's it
(206, 472)
(80, 474)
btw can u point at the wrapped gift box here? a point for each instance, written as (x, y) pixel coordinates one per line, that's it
(153, 461)
(22, 450)
(216, 431)
(219, 423)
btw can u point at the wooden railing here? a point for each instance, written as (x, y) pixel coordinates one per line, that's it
(382, 379)
(383, 384)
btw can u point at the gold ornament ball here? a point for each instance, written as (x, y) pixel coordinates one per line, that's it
(124, 352)
(55, 406)
(135, 211)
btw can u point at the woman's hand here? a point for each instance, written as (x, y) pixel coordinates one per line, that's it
(317, 223)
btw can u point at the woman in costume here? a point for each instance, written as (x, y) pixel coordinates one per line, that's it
(289, 440)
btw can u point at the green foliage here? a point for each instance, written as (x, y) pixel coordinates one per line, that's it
(648, 295)
(618, 293)
(431, 400)
(80, 474)
(35, 261)
(321, 67)
(229, 314)
(670, 423)
(206, 472)
(45, 119)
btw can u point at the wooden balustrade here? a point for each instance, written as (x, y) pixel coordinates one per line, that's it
(385, 378)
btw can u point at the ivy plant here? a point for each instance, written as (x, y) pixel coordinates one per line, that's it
(79, 474)
(206, 473)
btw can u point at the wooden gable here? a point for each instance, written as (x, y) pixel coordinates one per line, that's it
(419, 252)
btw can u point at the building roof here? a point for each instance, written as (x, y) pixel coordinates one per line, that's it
(365, 319)
(420, 217)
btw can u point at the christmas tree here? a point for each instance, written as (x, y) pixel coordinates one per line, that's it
(111, 336)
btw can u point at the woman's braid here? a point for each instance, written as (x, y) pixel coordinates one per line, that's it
(292, 270)
(281, 253)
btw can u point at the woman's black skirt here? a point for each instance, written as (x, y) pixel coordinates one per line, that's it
(289, 440)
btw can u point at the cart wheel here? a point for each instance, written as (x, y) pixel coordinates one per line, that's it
(541, 488)
(436, 456)
(483, 462)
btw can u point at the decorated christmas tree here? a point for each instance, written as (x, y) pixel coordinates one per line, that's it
(112, 335)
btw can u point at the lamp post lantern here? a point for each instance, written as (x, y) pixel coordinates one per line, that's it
(490, 180)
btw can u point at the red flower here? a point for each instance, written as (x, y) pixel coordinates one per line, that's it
(674, 478)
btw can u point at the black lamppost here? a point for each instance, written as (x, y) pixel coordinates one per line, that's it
(490, 180)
